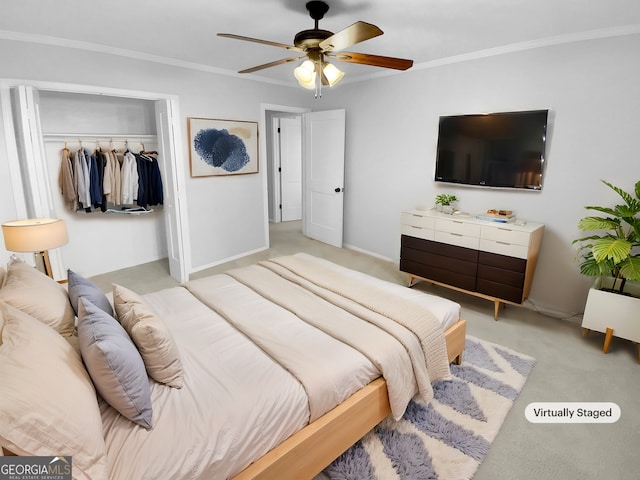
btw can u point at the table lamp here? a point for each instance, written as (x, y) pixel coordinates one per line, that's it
(36, 235)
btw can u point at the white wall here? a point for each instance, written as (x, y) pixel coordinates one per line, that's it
(592, 90)
(226, 214)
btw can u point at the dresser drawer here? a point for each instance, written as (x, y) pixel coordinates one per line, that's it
(499, 290)
(498, 275)
(503, 248)
(440, 261)
(417, 220)
(456, 226)
(458, 239)
(418, 232)
(505, 235)
(503, 262)
(438, 248)
(468, 282)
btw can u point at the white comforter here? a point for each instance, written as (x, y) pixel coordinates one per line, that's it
(229, 411)
(255, 373)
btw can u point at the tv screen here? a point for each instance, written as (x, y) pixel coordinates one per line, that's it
(503, 150)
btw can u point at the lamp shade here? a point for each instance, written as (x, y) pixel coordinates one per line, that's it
(34, 234)
(332, 73)
(306, 74)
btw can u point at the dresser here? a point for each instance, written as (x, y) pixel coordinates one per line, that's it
(491, 260)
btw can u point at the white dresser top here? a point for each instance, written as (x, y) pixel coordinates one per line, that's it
(517, 225)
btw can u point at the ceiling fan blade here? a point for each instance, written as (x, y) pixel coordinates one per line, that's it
(270, 64)
(356, 33)
(257, 40)
(374, 60)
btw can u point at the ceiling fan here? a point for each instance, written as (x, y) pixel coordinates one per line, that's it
(317, 45)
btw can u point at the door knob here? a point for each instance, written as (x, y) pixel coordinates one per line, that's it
(337, 190)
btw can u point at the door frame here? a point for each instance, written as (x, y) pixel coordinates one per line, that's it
(278, 167)
(175, 195)
(266, 147)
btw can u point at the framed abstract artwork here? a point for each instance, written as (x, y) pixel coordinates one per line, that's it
(222, 147)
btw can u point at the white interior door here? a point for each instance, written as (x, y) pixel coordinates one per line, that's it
(291, 168)
(323, 166)
(33, 168)
(175, 211)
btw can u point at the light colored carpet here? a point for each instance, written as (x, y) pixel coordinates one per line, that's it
(447, 438)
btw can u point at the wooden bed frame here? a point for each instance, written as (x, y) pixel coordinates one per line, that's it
(306, 453)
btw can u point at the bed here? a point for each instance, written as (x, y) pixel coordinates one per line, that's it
(266, 371)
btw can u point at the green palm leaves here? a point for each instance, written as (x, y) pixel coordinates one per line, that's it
(615, 247)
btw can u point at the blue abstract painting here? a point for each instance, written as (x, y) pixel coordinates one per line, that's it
(222, 147)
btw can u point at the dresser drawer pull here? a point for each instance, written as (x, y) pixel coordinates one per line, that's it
(457, 221)
(457, 234)
(416, 215)
(502, 243)
(505, 229)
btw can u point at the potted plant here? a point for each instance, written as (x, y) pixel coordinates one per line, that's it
(444, 202)
(612, 254)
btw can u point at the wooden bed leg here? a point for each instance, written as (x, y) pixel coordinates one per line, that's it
(639, 353)
(411, 277)
(585, 332)
(496, 309)
(607, 340)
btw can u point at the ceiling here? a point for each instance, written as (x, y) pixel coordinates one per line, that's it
(183, 32)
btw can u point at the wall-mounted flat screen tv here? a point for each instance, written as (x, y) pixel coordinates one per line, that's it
(502, 150)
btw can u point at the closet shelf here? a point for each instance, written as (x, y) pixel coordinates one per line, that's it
(55, 137)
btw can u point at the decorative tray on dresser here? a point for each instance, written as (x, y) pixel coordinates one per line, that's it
(491, 260)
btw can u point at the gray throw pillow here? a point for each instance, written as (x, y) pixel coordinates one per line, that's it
(82, 287)
(114, 363)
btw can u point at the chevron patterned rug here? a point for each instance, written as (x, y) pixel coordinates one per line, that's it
(448, 438)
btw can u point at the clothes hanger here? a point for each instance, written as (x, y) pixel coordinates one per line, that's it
(143, 152)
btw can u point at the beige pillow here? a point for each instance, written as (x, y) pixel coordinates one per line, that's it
(150, 334)
(48, 405)
(3, 272)
(33, 292)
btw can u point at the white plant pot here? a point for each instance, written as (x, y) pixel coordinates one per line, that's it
(448, 209)
(612, 311)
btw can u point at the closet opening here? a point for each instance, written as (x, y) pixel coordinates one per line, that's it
(53, 121)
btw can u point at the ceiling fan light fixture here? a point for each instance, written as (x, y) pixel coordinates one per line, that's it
(316, 44)
(332, 73)
(305, 73)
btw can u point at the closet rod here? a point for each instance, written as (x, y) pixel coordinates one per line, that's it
(88, 137)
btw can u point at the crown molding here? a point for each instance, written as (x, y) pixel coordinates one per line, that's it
(625, 30)
(122, 52)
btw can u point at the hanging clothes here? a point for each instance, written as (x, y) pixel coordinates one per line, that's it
(129, 179)
(149, 181)
(83, 182)
(107, 179)
(155, 182)
(112, 182)
(66, 181)
(96, 177)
